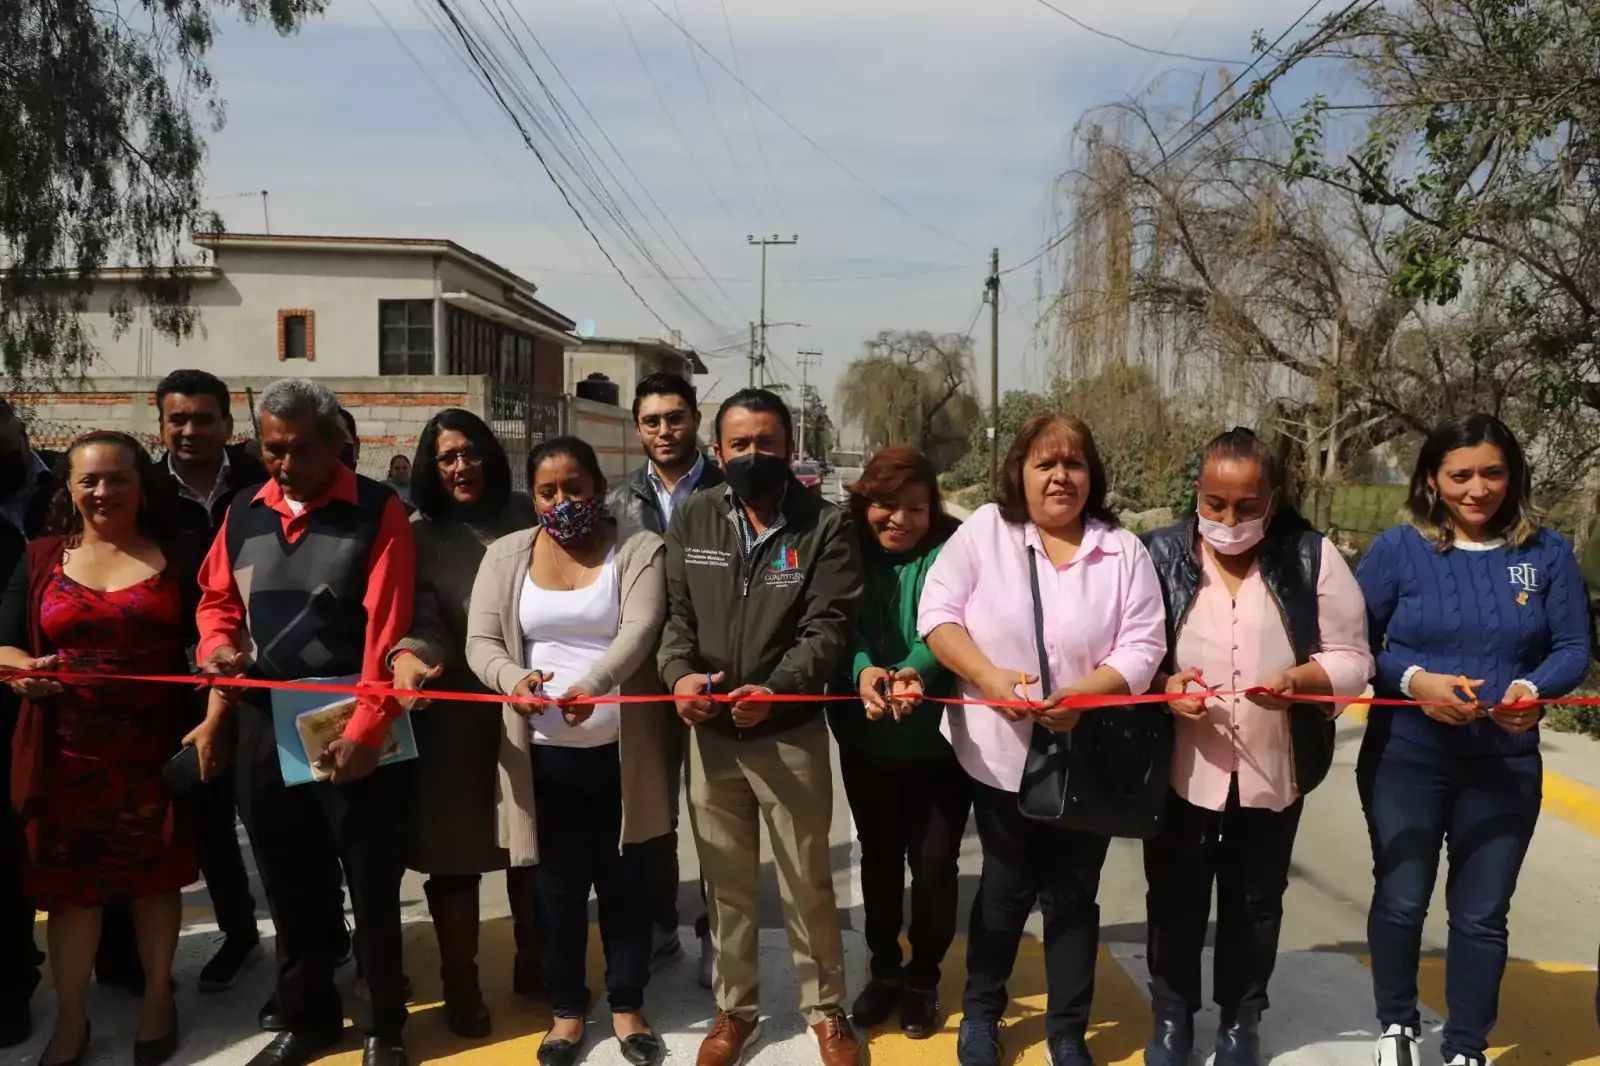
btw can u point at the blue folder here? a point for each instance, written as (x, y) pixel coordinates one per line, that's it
(289, 704)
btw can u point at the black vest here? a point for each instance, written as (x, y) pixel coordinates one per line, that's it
(304, 601)
(1291, 562)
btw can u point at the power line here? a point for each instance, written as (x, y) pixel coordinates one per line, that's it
(804, 136)
(556, 127)
(537, 154)
(716, 117)
(750, 113)
(1082, 25)
(1165, 153)
(472, 131)
(612, 145)
(671, 119)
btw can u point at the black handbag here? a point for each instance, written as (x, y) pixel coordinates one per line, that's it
(1109, 775)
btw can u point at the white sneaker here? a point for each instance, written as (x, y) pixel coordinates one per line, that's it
(1462, 1060)
(1397, 1046)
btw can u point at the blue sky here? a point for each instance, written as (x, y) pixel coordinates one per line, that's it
(959, 110)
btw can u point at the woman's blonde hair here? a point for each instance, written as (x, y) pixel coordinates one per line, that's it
(1517, 520)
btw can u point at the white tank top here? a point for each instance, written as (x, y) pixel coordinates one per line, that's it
(565, 634)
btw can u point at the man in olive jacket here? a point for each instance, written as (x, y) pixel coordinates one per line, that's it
(763, 579)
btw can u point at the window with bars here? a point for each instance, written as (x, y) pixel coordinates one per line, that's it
(405, 336)
(481, 346)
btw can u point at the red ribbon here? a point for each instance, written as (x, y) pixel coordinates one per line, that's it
(1074, 701)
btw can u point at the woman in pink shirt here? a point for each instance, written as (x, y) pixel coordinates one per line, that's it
(1255, 597)
(1104, 633)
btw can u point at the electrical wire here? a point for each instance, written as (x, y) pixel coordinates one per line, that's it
(755, 131)
(716, 116)
(804, 136)
(537, 154)
(472, 131)
(672, 120)
(1166, 153)
(705, 271)
(1082, 25)
(557, 139)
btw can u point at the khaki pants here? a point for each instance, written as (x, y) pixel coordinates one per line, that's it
(788, 780)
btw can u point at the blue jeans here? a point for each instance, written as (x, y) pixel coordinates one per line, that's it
(1483, 808)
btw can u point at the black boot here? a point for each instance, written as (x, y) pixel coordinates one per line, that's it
(1239, 1040)
(527, 971)
(1172, 1036)
(455, 923)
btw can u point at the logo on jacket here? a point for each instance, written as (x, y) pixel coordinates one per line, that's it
(788, 559)
(1525, 577)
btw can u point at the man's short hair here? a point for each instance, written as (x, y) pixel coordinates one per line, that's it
(760, 401)
(195, 383)
(665, 384)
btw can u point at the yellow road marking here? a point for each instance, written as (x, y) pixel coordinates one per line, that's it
(1571, 801)
(1546, 1012)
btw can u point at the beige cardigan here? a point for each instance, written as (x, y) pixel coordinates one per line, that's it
(495, 653)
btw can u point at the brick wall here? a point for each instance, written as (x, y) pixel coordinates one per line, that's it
(389, 411)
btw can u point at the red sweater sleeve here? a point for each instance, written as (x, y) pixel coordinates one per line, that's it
(220, 617)
(391, 591)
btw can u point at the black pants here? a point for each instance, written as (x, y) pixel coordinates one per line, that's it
(908, 811)
(663, 850)
(1246, 852)
(210, 808)
(578, 807)
(300, 836)
(1026, 861)
(19, 957)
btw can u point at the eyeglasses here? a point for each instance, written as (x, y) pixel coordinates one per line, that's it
(464, 457)
(674, 419)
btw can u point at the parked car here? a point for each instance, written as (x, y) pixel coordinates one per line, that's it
(808, 474)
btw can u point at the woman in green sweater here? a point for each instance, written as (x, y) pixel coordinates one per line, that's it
(907, 792)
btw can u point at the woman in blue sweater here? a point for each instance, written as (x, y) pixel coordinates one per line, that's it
(1473, 609)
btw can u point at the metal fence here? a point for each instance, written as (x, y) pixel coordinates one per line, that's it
(523, 419)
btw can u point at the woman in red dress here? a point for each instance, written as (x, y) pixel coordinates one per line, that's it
(100, 825)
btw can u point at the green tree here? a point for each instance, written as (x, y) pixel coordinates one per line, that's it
(1483, 143)
(103, 113)
(820, 434)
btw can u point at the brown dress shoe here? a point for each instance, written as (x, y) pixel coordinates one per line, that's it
(836, 1041)
(729, 1041)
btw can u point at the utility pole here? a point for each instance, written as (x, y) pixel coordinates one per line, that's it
(807, 361)
(752, 355)
(992, 286)
(765, 243)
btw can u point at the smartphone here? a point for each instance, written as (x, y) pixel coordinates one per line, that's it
(182, 771)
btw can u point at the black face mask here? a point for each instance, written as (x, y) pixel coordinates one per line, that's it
(347, 455)
(756, 476)
(13, 473)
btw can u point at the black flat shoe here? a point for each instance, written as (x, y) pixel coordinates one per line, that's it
(16, 1024)
(556, 1052)
(288, 1049)
(919, 1013)
(77, 1059)
(642, 1049)
(377, 1051)
(271, 1016)
(877, 1003)
(157, 1051)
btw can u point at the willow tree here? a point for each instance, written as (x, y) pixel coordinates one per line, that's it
(912, 387)
(104, 107)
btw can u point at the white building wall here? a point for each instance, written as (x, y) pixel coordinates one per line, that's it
(237, 334)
